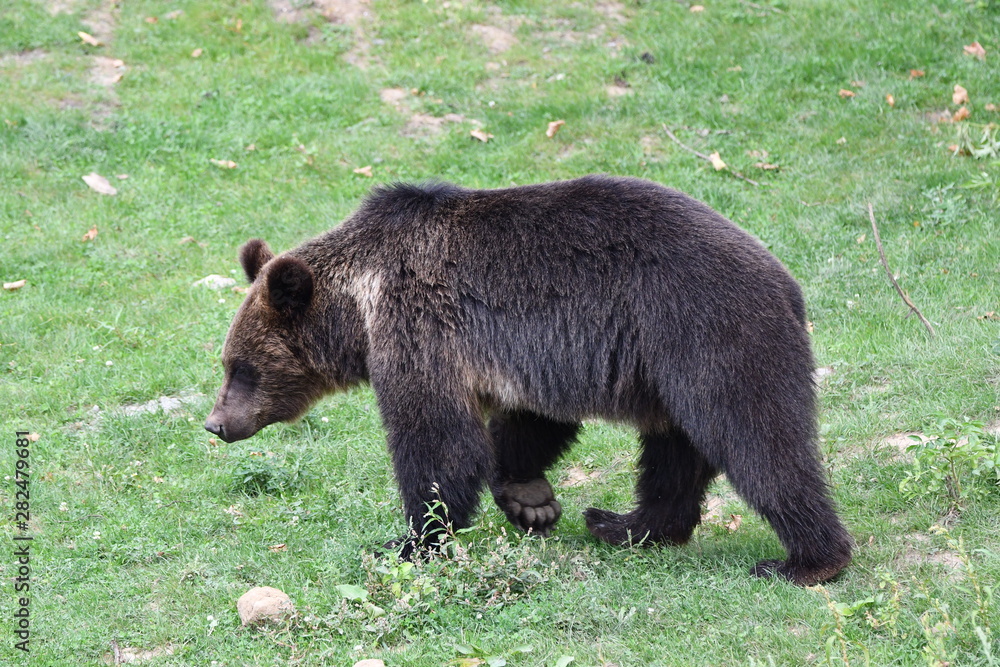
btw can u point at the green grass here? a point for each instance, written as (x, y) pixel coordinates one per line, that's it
(143, 529)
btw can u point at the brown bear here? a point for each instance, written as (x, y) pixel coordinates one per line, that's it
(491, 322)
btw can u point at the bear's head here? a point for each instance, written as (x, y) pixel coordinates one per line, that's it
(270, 364)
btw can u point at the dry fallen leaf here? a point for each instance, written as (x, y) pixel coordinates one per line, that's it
(990, 107)
(176, 14)
(99, 184)
(121, 177)
(717, 161)
(16, 285)
(890, 100)
(842, 141)
(766, 166)
(734, 525)
(975, 49)
(34, 437)
(151, 19)
(554, 127)
(364, 171)
(196, 53)
(481, 135)
(278, 547)
(223, 164)
(90, 235)
(960, 115)
(89, 39)
(697, 8)
(845, 93)
(960, 96)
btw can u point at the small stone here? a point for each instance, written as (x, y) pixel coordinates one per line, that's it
(214, 281)
(263, 604)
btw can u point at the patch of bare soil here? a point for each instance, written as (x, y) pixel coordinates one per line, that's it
(106, 72)
(497, 40)
(128, 655)
(900, 442)
(22, 58)
(421, 124)
(54, 7)
(393, 96)
(919, 552)
(353, 13)
(101, 22)
(578, 476)
(611, 10)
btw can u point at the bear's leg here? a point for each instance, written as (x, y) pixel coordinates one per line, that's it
(673, 477)
(526, 445)
(442, 458)
(791, 493)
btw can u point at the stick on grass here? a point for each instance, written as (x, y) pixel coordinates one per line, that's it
(885, 264)
(705, 157)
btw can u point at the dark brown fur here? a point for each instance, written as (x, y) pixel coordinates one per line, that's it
(490, 323)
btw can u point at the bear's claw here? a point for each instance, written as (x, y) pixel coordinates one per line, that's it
(529, 506)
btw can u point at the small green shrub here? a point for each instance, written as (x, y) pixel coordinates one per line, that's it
(959, 459)
(267, 473)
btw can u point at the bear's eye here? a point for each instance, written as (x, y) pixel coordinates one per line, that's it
(243, 373)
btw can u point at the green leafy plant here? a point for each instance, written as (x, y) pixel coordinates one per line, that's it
(267, 473)
(958, 459)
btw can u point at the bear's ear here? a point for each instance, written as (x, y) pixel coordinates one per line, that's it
(289, 285)
(253, 255)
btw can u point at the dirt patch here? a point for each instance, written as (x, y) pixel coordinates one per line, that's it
(100, 22)
(497, 40)
(900, 442)
(393, 96)
(611, 10)
(353, 13)
(919, 552)
(128, 655)
(578, 476)
(421, 124)
(54, 7)
(22, 58)
(350, 12)
(106, 72)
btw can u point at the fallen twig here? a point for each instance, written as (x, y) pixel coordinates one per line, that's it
(885, 264)
(677, 141)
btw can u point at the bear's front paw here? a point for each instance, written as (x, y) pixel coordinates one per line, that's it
(530, 506)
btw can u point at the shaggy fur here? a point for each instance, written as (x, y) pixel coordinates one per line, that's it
(491, 322)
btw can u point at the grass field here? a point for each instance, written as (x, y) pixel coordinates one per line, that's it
(145, 531)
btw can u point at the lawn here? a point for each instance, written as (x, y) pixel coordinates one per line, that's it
(214, 121)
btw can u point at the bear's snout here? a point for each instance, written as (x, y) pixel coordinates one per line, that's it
(216, 427)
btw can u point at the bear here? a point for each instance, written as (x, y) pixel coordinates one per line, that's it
(490, 323)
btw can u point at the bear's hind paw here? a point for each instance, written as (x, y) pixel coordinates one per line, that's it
(799, 575)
